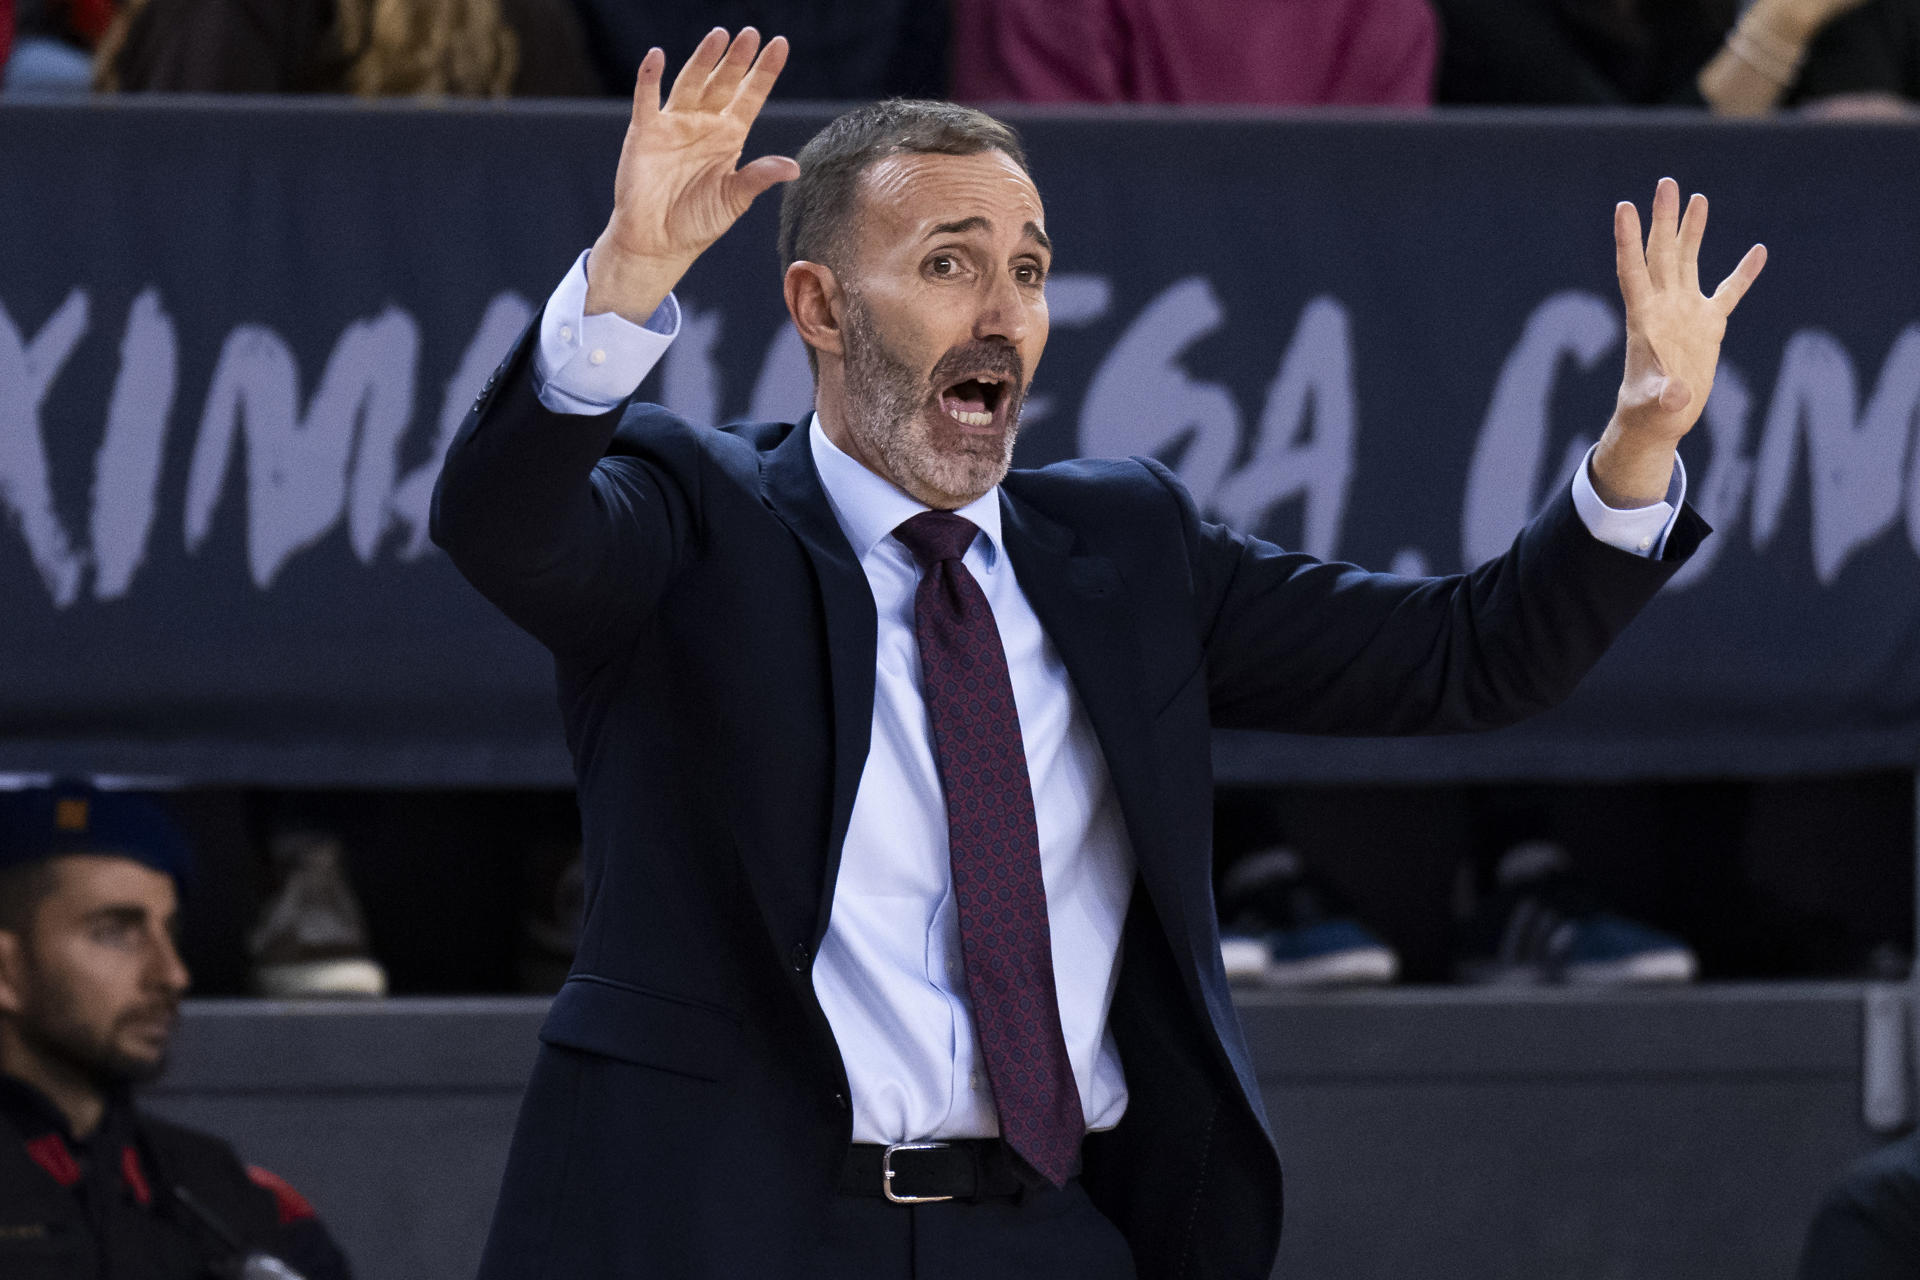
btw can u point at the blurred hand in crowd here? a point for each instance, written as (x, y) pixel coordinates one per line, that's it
(1800, 19)
(1761, 63)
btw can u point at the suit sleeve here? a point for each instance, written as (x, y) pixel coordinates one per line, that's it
(1846, 1242)
(1303, 646)
(1868, 1225)
(574, 546)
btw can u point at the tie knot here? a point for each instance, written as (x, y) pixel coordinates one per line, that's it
(934, 536)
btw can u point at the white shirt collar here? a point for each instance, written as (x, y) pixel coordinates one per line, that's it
(870, 508)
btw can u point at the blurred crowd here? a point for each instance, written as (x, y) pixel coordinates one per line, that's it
(1734, 57)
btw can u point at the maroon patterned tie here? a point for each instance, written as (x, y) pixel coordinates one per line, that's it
(994, 845)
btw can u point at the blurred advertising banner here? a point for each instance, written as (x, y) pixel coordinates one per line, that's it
(236, 337)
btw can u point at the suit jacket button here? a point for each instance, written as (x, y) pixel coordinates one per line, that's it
(799, 957)
(840, 1102)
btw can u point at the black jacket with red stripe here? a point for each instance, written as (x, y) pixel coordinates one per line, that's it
(141, 1199)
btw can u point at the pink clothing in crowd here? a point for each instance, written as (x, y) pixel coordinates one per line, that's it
(1275, 52)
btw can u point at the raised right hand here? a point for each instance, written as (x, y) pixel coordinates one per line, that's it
(676, 190)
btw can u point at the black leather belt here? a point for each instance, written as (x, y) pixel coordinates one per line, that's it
(922, 1172)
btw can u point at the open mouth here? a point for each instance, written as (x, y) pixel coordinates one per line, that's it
(975, 401)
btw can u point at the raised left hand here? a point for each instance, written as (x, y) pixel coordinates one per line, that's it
(1673, 330)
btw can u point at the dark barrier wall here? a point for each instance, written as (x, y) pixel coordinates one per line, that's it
(233, 342)
(1468, 1135)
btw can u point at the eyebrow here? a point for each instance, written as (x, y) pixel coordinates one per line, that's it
(978, 223)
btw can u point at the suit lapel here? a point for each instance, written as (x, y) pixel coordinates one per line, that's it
(793, 490)
(1081, 603)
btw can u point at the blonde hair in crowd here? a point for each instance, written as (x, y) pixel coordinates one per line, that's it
(390, 48)
(403, 48)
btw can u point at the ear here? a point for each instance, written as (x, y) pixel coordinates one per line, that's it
(13, 972)
(815, 302)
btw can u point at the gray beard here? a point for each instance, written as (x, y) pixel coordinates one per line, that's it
(887, 417)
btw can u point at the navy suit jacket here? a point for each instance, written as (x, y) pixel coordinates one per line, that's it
(713, 637)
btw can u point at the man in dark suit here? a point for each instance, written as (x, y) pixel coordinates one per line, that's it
(900, 955)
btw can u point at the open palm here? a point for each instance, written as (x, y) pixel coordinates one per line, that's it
(1673, 330)
(676, 190)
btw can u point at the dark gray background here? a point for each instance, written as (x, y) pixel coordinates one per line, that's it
(1439, 237)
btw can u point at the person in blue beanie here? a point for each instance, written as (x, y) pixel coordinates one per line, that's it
(90, 987)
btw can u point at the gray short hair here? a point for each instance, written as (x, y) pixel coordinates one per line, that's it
(816, 209)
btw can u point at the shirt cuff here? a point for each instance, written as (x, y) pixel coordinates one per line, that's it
(590, 364)
(1640, 531)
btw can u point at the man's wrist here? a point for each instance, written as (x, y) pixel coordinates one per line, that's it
(1629, 472)
(586, 364)
(1639, 531)
(631, 287)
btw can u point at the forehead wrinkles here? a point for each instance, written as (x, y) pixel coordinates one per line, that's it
(904, 190)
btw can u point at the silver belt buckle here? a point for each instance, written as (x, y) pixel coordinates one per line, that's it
(886, 1170)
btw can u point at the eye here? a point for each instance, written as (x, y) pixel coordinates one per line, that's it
(943, 265)
(1030, 273)
(114, 933)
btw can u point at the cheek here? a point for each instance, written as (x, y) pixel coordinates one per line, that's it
(95, 982)
(906, 325)
(938, 325)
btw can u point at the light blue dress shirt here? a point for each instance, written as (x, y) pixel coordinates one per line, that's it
(888, 975)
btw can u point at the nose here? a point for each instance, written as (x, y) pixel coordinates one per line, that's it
(1004, 312)
(168, 971)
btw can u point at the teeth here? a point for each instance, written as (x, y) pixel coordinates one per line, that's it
(971, 419)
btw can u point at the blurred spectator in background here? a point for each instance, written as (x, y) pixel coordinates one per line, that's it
(1304, 53)
(372, 48)
(1839, 57)
(1868, 1227)
(310, 941)
(90, 987)
(851, 49)
(1577, 52)
(1853, 57)
(1284, 925)
(46, 45)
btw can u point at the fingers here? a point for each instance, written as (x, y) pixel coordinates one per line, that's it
(646, 86)
(746, 185)
(1735, 286)
(1663, 235)
(693, 77)
(753, 90)
(1636, 286)
(1692, 228)
(726, 76)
